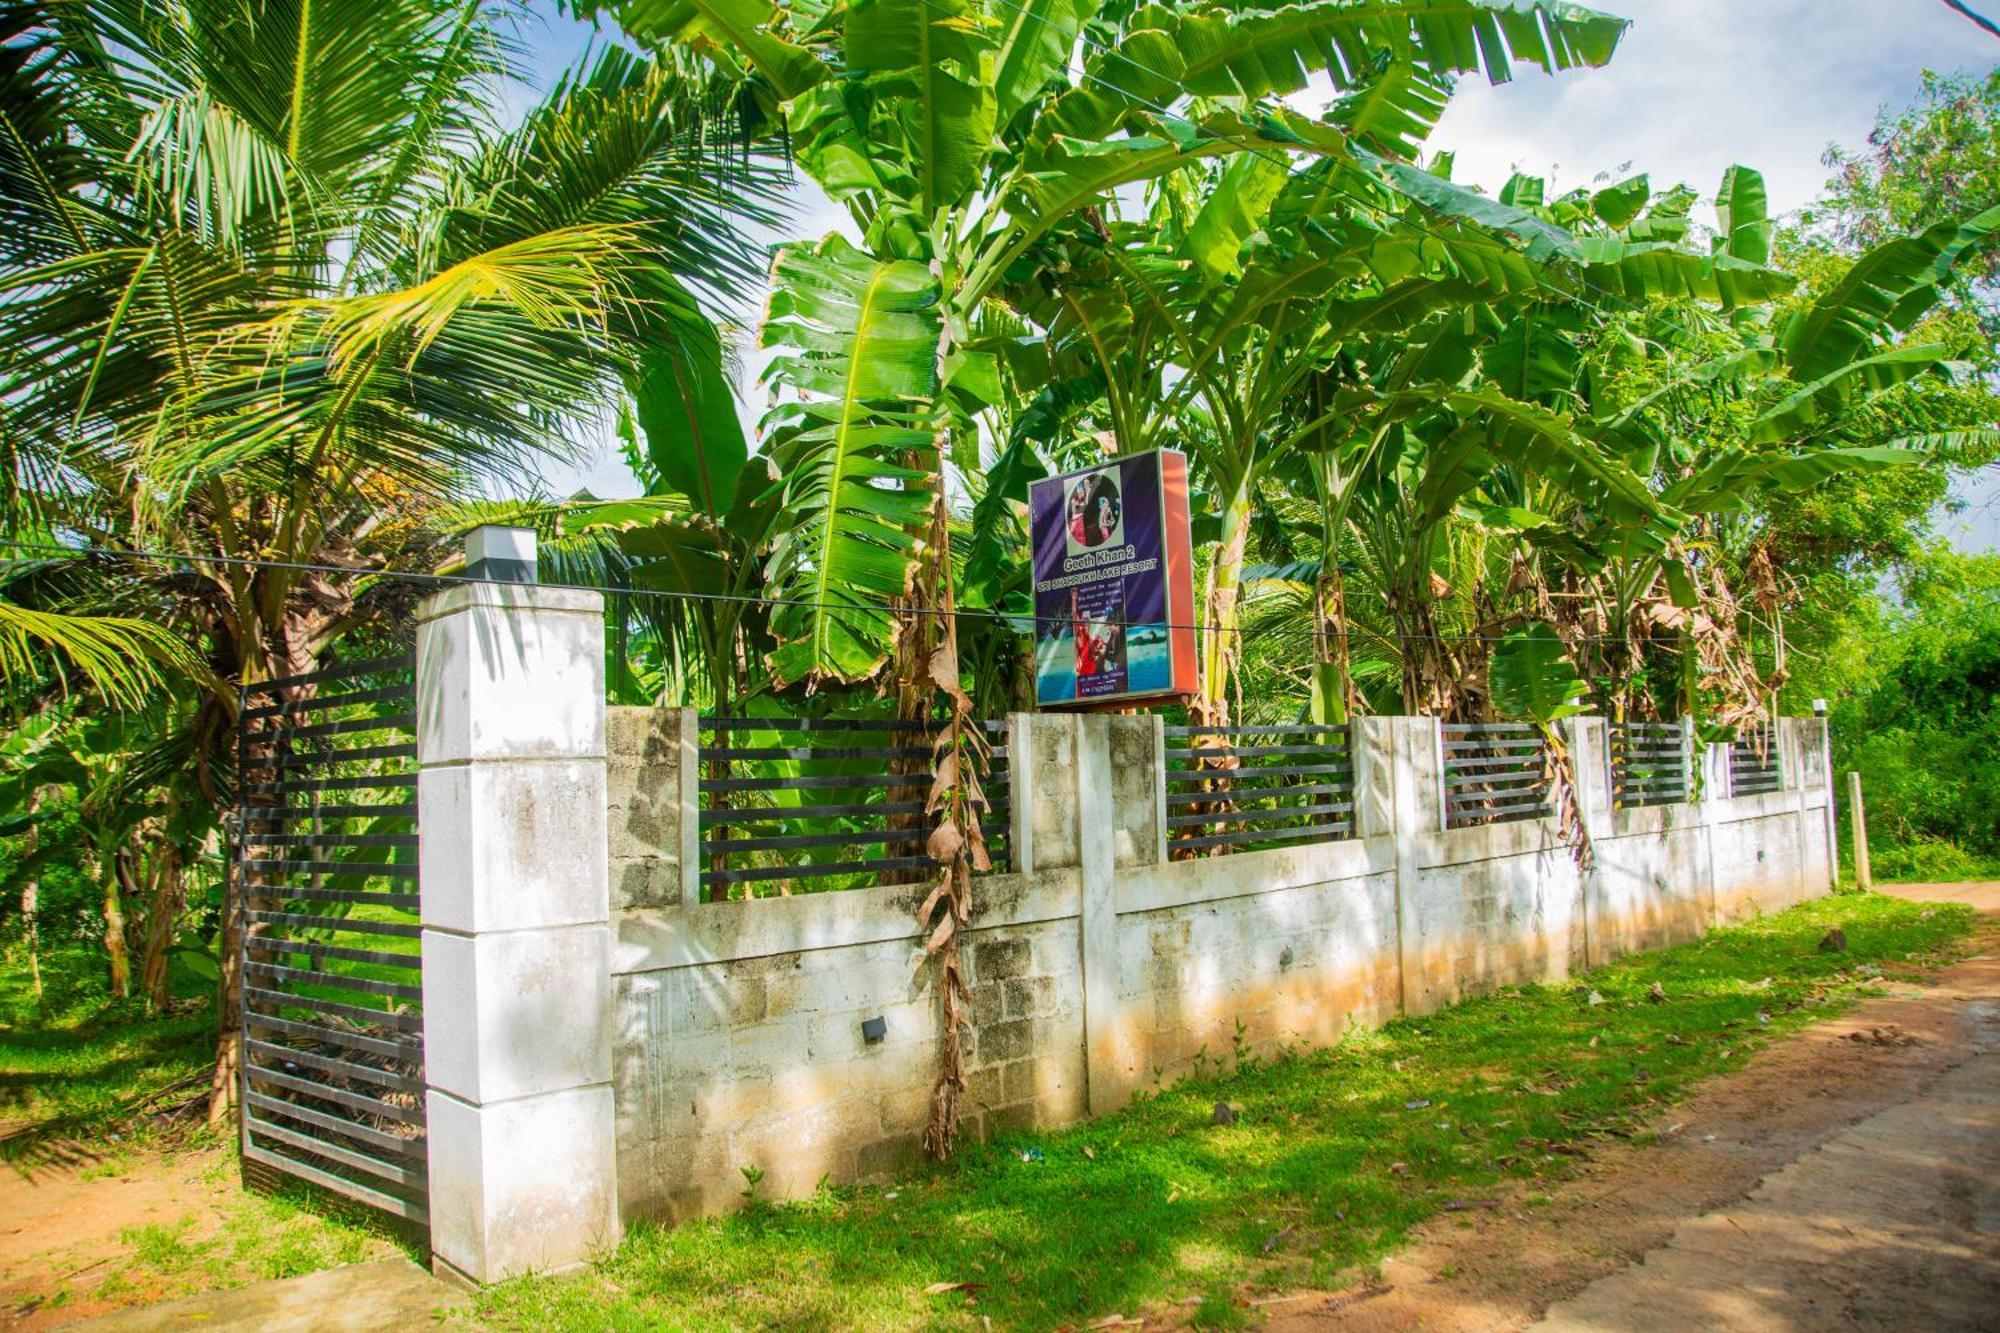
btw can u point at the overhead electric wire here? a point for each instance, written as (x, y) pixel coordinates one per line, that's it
(1988, 24)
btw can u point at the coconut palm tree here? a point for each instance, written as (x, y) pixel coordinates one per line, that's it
(275, 285)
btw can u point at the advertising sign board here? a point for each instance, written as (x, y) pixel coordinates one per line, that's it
(1114, 583)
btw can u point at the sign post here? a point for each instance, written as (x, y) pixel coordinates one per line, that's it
(1114, 584)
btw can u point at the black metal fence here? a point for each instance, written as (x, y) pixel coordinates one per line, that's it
(1494, 772)
(1238, 788)
(327, 903)
(1649, 764)
(1754, 765)
(790, 804)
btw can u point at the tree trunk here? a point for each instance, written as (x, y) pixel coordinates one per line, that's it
(1225, 578)
(31, 897)
(163, 911)
(114, 933)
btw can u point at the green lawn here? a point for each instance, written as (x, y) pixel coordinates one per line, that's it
(74, 1062)
(1336, 1155)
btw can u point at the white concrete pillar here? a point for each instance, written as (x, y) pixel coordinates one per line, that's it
(1589, 740)
(1399, 794)
(516, 942)
(1714, 761)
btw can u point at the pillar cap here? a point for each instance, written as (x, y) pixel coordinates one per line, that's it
(501, 553)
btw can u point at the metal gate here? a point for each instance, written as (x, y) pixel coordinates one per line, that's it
(333, 1058)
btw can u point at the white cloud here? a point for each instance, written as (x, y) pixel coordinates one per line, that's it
(1698, 85)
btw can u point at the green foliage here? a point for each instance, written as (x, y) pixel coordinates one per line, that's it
(75, 1061)
(1336, 1153)
(1918, 716)
(1532, 678)
(1938, 158)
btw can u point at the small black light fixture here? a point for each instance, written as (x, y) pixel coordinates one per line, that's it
(874, 1029)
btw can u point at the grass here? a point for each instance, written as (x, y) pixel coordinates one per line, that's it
(71, 1068)
(75, 1061)
(288, 1233)
(1336, 1155)
(1924, 862)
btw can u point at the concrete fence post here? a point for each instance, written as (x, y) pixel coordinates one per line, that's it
(1713, 760)
(654, 758)
(1589, 740)
(1864, 874)
(1831, 829)
(1399, 794)
(515, 906)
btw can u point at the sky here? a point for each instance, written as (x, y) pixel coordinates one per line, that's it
(1696, 86)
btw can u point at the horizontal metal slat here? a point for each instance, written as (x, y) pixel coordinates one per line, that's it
(410, 1176)
(276, 945)
(861, 838)
(1186, 775)
(1493, 750)
(856, 780)
(308, 893)
(344, 670)
(359, 1101)
(345, 869)
(1341, 828)
(1249, 751)
(1463, 777)
(301, 976)
(1486, 728)
(382, 1047)
(1257, 793)
(1276, 729)
(372, 782)
(402, 1021)
(815, 724)
(1487, 795)
(1473, 763)
(287, 814)
(1476, 809)
(815, 872)
(1260, 816)
(311, 1115)
(374, 1198)
(345, 726)
(400, 929)
(385, 1078)
(322, 757)
(320, 703)
(767, 814)
(751, 754)
(308, 839)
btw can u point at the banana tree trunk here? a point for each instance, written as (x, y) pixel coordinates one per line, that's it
(31, 896)
(1332, 680)
(1220, 606)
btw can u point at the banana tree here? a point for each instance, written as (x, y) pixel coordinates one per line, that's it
(958, 133)
(1729, 416)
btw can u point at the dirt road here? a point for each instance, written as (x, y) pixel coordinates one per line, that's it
(1847, 1178)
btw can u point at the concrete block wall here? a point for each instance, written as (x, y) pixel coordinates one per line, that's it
(1100, 968)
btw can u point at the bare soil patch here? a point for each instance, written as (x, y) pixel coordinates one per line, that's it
(1851, 1086)
(62, 1223)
